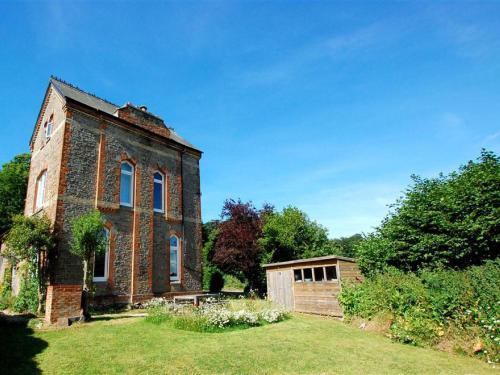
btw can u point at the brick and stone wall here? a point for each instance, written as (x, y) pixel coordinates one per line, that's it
(63, 303)
(139, 265)
(83, 159)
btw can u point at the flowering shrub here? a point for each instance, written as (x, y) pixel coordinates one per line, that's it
(271, 316)
(214, 317)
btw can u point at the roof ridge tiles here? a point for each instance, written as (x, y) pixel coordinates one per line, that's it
(81, 90)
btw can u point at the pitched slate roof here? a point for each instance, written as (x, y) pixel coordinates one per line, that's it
(67, 90)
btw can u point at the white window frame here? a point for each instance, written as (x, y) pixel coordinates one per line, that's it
(162, 182)
(106, 261)
(177, 279)
(131, 174)
(49, 125)
(336, 280)
(41, 183)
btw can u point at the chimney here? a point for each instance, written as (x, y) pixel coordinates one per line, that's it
(140, 116)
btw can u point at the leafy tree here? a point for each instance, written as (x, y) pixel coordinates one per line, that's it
(290, 234)
(347, 245)
(88, 240)
(13, 185)
(31, 239)
(450, 221)
(213, 279)
(237, 248)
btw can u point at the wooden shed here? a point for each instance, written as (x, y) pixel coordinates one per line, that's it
(311, 285)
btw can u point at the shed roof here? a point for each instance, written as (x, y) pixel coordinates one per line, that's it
(308, 260)
(68, 90)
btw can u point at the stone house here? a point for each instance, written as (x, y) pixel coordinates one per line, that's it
(88, 153)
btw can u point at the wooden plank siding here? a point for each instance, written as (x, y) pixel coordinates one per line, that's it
(350, 272)
(317, 297)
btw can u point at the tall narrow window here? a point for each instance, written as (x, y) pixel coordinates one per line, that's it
(40, 190)
(174, 258)
(49, 126)
(101, 260)
(158, 193)
(127, 184)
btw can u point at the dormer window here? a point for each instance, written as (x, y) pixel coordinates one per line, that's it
(49, 126)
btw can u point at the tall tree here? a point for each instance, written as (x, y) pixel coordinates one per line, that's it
(347, 245)
(237, 248)
(213, 279)
(448, 221)
(13, 185)
(88, 240)
(290, 234)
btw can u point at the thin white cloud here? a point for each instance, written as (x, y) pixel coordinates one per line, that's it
(334, 47)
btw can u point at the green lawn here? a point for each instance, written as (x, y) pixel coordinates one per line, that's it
(303, 344)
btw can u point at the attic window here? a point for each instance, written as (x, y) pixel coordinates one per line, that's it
(48, 127)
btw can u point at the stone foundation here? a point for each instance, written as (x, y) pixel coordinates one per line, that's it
(63, 303)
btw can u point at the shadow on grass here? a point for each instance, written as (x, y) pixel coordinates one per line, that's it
(18, 347)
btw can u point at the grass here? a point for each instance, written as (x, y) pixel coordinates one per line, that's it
(303, 344)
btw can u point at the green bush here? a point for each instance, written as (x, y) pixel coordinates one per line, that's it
(213, 279)
(6, 297)
(27, 299)
(425, 307)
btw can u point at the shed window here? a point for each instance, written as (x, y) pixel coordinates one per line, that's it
(331, 273)
(158, 195)
(308, 275)
(319, 274)
(127, 184)
(297, 274)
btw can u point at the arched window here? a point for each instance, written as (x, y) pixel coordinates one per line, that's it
(158, 192)
(40, 190)
(101, 261)
(127, 184)
(174, 259)
(49, 127)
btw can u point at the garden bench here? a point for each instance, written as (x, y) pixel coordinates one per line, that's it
(195, 299)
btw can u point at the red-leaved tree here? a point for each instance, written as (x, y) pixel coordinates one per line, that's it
(237, 249)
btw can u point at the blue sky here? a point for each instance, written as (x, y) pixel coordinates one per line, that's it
(326, 106)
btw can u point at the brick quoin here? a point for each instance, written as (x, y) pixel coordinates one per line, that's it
(83, 158)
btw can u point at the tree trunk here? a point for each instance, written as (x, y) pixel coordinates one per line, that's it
(87, 283)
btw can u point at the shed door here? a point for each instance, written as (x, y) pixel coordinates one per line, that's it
(281, 288)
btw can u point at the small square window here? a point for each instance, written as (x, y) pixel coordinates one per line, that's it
(319, 275)
(331, 273)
